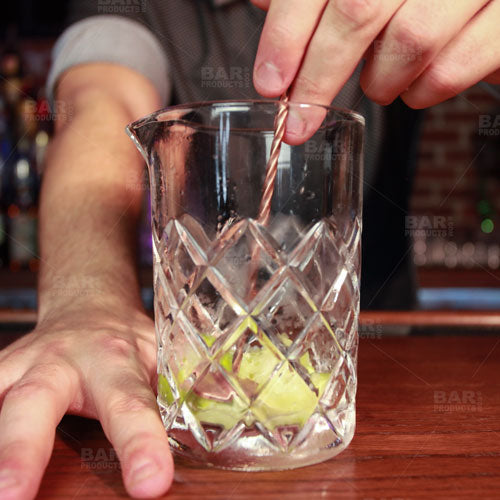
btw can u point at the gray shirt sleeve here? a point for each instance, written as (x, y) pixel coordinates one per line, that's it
(114, 39)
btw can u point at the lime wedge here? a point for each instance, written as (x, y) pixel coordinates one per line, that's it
(164, 390)
(284, 400)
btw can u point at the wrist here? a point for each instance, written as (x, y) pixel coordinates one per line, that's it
(62, 295)
(112, 312)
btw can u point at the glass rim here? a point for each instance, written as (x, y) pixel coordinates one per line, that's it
(162, 115)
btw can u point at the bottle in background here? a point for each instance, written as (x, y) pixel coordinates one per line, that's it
(20, 177)
(5, 150)
(23, 192)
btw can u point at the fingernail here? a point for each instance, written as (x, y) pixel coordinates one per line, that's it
(143, 471)
(295, 124)
(269, 76)
(8, 481)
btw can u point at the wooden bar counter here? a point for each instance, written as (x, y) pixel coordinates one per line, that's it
(428, 426)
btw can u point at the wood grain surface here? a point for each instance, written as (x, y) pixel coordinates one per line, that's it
(447, 318)
(428, 426)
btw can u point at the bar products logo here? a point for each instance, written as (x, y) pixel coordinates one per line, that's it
(233, 77)
(430, 226)
(393, 51)
(43, 112)
(370, 330)
(327, 151)
(76, 286)
(489, 125)
(137, 184)
(458, 401)
(99, 459)
(121, 6)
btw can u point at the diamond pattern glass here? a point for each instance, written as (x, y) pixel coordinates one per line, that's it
(256, 325)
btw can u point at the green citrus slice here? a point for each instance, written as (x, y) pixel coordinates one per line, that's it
(284, 400)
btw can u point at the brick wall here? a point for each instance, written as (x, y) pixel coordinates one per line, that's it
(458, 166)
(453, 151)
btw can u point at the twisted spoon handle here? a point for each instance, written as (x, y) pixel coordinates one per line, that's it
(272, 164)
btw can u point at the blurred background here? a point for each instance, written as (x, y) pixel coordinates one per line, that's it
(454, 218)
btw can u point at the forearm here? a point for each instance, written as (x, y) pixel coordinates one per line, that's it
(90, 202)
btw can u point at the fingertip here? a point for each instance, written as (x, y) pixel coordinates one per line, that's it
(9, 486)
(14, 485)
(151, 487)
(415, 102)
(294, 140)
(417, 97)
(302, 124)
(261, 4)
(150, 477)
(268, 79)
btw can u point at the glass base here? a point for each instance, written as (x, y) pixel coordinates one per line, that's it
(256, 448)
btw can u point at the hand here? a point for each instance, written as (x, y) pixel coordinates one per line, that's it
(425, 51)
(90, 363)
